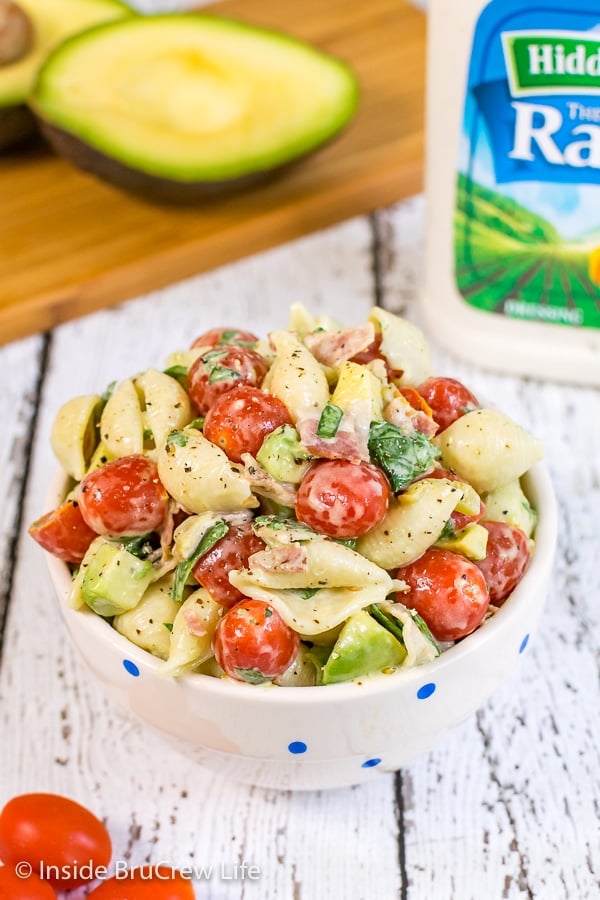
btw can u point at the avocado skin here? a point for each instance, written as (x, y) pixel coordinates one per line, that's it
(154, 187)
(17, 124)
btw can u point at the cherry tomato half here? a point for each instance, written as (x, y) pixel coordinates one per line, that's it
(342, 499)
(231, 552)
(448, 398)
(253, 643)
(146, 883)
(221, 369)
(448, 591)
(239, 420)
(23, 886)
(416, 401)
(124, 497)
(372, 352)
(459, 520)
(505, 561)
(64, 532)
(57, 832)
(224, 335)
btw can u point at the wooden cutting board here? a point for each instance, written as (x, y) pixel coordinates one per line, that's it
(70, 244)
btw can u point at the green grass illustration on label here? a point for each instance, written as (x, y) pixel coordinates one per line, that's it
(511, 261)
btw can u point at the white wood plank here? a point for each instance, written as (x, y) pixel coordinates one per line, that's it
(60, 733)
(508, 806)
(19, 364)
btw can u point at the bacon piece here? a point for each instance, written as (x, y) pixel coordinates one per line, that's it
(166, 532)
(348, 442)
(288, 558)
(400, 413)
(263, 483)
(424, 423)
(194, 623)
(333, 347)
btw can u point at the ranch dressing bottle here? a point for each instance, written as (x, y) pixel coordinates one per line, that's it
(512, 276)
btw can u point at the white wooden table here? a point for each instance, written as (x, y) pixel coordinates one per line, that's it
(507, 807)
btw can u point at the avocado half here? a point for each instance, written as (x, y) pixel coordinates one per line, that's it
(179, 106)
(52, 21)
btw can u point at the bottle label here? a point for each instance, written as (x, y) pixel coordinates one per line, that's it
(527, 223)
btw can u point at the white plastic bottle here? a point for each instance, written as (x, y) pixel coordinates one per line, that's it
(512, 275)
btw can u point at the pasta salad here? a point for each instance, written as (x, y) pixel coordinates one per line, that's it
(310, 508)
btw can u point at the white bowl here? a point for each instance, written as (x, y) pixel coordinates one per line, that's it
(319, 737)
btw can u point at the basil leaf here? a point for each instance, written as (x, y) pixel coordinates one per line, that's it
(275, 523)
(178, 438)
(168, 626)
(252, 676)
(198, 423)
(330, 421)
(403, 457)
(347, 542)
(307, 593)
(222, 373)
(390, 623)
(183, 569)
(110, 389)
(138, 546)
(447, 531)
(280, 522)
(179, 373)
(233, 337)
(423, 628)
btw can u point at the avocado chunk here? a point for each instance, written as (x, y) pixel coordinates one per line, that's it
(471, 542)
(182, 105)
(49, 23)
(363, 646)
(283, 456)
(509, 504)
(115, 580)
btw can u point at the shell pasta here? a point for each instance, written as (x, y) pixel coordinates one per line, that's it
(304, 508)
(488, 448)
(295, 377)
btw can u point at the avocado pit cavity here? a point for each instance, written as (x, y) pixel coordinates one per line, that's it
(16, 32)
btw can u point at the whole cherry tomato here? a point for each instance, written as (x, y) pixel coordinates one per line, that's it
(221, 369)
(231, 552)
(146, 883)
(224, 335)
(23, 886)
(64, 532)
(342, 499)
(239, 420)
(505, 560)
(448, 591)
(124, 497)
(448, 398)
(459, 520)
(59, 838)
(253, 643)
